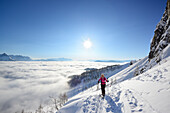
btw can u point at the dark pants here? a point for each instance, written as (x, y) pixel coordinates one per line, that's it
(103, 89)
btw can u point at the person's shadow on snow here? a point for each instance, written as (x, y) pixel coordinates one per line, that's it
(113, 107)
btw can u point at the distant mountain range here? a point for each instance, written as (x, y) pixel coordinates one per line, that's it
(54, 59)
(117, 61)
(5, 57)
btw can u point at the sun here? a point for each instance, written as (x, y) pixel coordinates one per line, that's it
(87, 44)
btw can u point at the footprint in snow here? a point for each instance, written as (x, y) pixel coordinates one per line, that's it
(112, 105)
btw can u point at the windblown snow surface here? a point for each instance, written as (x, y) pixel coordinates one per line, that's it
(147, 93)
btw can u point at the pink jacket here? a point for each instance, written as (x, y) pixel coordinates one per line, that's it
(102, 80)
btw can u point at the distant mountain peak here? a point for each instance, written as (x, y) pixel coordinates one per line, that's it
(5, 57)
(4, 54)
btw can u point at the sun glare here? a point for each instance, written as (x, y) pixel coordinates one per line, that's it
(87, 44)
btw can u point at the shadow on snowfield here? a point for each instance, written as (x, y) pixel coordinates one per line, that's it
(70, 101)
(112, 105)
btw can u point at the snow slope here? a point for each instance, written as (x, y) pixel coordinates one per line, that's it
(147, 93)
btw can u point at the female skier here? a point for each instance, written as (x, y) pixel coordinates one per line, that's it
(103, 84)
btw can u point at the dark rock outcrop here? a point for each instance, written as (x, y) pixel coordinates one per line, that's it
(160, 43)
(161, 34)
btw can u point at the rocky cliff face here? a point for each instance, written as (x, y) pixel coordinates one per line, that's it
(160, 45)
(161, 37)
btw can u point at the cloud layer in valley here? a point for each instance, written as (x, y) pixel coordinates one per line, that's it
(26, 85)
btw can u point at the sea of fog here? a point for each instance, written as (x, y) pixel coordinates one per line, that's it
(26, 85)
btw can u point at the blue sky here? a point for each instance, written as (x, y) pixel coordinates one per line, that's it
(118, 29)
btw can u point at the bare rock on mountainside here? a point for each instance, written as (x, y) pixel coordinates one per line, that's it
(161, 37)
(160, 43)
